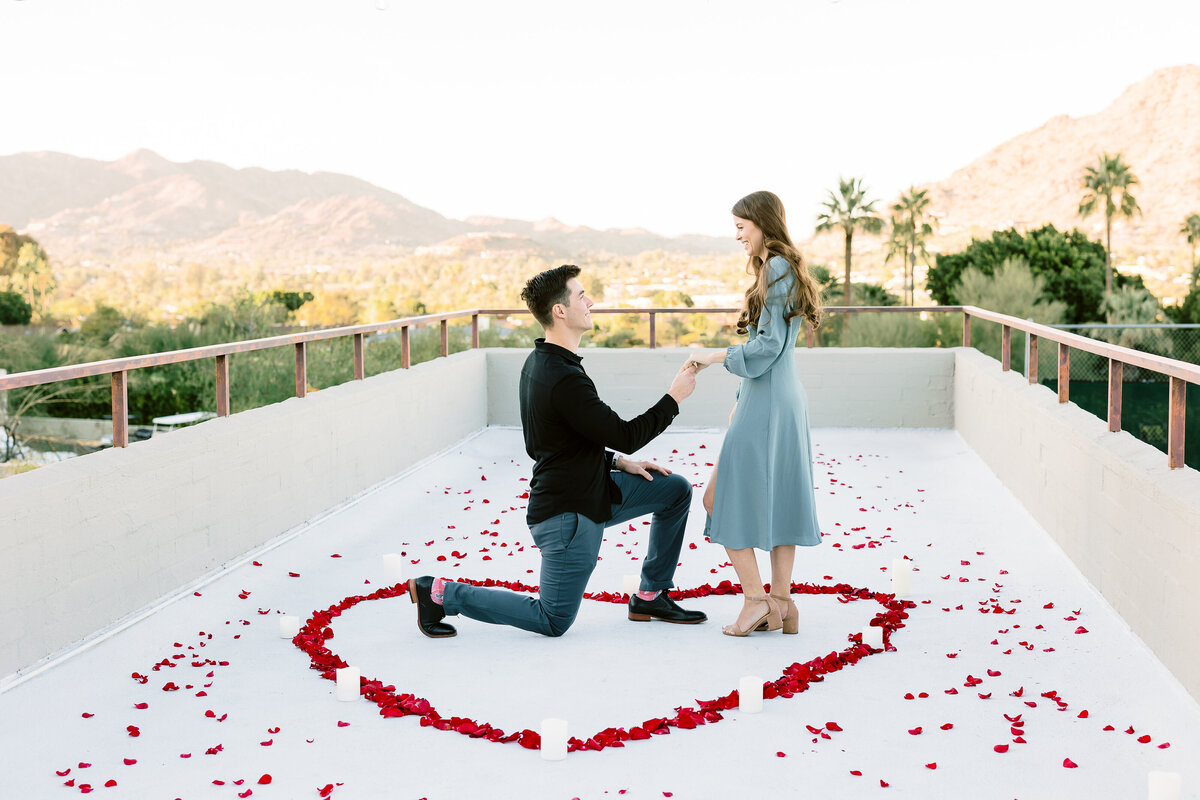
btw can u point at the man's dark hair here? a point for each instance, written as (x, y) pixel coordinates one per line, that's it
(545, 289)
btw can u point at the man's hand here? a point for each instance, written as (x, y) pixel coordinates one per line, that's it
(684, 383)
(700, 360)
(642, 468)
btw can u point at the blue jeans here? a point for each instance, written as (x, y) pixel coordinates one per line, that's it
(569, 544)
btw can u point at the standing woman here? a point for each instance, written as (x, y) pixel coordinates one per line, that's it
(763, 497)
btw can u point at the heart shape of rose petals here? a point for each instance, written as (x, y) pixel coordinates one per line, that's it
(795, 678)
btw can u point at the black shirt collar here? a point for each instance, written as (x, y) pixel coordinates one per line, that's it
(553, 349)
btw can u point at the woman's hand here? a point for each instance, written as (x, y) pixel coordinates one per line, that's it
(700, 360)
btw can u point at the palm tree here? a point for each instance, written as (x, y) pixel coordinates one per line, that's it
(1111, 175)
(911, 226)
(849, 209)
(1191, 229)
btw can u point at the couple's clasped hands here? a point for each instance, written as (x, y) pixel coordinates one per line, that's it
(685, 380)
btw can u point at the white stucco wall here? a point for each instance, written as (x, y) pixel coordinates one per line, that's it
(1130, 524)
(850, 388)
(87, 541)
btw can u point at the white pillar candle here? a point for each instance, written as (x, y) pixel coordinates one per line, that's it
(901, 577)
(288, 627)
(1166, 786)
(872, 637)
(630, 584)
(554, 739)
(750, 697)
(347, 683)
(393, 568)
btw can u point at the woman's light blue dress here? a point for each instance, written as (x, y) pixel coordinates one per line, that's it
(764, 486)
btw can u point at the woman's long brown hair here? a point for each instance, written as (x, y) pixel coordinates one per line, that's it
(765, 210)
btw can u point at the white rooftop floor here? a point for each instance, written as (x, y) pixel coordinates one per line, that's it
(885, 494)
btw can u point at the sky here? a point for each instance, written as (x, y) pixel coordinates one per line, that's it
(622, 113)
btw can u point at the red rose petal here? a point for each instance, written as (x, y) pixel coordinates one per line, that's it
(915, 731)
(1069, 764)
(87, 715)
(884, 784)
(832, 726)
(931, 765)
(948, 726)
(265, 779)
(108, 784)
(1001, 748)
(1144, 739)
(141, 706)
(1083, 714)
(781, 754)
(129, 762)
(1164, 745)
(246, 793)
(856, 772)
(343, 724)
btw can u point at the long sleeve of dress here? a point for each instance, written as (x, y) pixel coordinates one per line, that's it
(769, 338)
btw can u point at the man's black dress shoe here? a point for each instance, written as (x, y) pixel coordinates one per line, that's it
(429, 613)
(662, 608)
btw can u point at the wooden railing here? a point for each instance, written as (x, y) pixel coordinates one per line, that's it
(1179, 373)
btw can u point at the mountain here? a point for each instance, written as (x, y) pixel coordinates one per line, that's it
(146, 206)
(1036, 178)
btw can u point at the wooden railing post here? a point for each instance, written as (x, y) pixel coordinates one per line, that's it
(474, 331)
(405, 349)
(653, 337)
(1005, 348)
(1064, 372)
(1116, 375)
(301, 369)
(445, 340)
(966, 329)
(1175, 421)
(1031, 357)
(222, 385)
(120, 409)
(360, 363)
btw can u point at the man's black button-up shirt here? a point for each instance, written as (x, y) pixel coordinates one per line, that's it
(567, 428)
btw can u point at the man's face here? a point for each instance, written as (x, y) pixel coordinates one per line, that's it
(576, 311)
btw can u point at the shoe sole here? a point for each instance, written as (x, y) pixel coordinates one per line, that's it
(412, 595)
(649, 617)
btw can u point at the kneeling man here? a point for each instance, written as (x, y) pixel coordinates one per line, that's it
(578, 487)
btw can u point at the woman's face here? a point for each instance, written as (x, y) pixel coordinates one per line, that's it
(751, 237)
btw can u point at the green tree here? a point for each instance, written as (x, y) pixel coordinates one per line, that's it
(912, 225)
(289, 300)
(100, 325)
(1132, 305)
(14, 310)
(1071, 265)
(1110, 176)
(849, 209)
(1011, 289)
(1191, 229)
